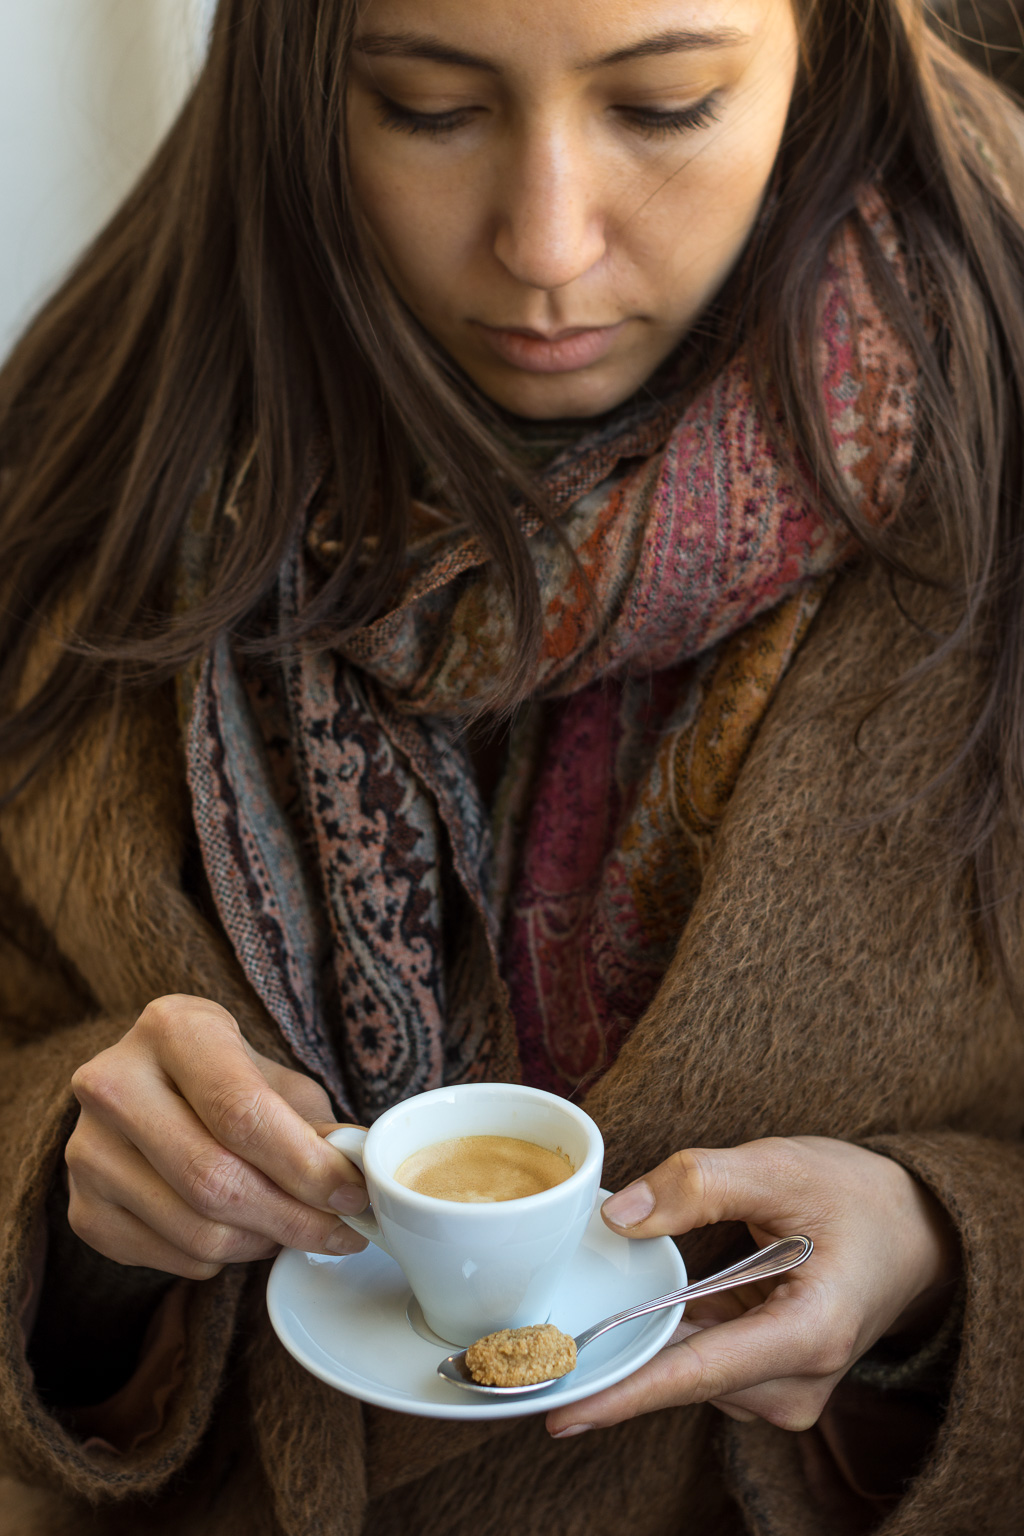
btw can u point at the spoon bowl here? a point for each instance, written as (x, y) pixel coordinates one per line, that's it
(777, 1259)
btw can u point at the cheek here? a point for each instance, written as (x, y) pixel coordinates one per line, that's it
(420, 234)
(701, 218)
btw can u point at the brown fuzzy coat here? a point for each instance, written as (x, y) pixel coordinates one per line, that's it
(828, 983)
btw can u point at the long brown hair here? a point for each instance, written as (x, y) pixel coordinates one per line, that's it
(234, 299)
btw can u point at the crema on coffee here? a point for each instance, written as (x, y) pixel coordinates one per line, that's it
(480, 1169)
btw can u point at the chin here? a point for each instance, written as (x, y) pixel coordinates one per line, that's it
(544, 397)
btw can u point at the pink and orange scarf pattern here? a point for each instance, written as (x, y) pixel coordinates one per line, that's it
(400, 935)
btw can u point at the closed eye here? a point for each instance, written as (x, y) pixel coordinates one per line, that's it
(435, 124)
(651, 122)
(656, 123)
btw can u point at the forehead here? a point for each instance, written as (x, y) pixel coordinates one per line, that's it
(570, 34)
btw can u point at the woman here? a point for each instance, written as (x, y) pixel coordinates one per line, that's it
(600, 423)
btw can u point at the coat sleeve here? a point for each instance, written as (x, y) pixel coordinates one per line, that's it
(100, 1453)
(917, 1457)
(94, 924)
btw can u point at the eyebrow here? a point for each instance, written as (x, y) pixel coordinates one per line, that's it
(416, 45)
(671, 42)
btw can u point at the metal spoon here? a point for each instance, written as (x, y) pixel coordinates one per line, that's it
(776, 1259)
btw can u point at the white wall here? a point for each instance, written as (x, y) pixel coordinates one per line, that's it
(87, 88)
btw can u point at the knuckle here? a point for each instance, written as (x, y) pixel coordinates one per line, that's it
(734, 1411)
(796, 1410)
(166, 1015)
(161, 1015)
(192, 1269)
(835, 1355)
(80, 1163)
(96, 1085)
(74, 1152)
(682, 1168)
(90, 1221)
(213, 1243)
(210, 1181)
(82, 1220)
(240, 1115)
(704, 1384)
(298, 1230)
(701, 1176)
(832, 1335)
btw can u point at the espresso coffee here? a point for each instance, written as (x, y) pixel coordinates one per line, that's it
(482, 1169)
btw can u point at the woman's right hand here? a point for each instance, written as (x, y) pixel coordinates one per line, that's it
(193, 1151)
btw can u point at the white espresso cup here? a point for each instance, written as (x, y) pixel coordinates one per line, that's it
(477, 1267)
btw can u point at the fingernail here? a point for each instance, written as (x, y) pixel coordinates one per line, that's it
(574, 1429)
(342, 1240)
(349, 1199)
(630, 1206)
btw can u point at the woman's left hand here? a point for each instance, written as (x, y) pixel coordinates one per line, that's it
(883, 1253)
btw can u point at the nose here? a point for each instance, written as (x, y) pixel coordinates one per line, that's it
(551, 227)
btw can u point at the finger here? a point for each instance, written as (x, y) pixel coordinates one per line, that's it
(793, 1404)
(203, 1199)
(784, 1338)
(228, 1194)
(733, 1411)
(120, 1236)
(760, 1183)
(200, 1048)
(724, 1306)
(707, 1311)
(303, 1093)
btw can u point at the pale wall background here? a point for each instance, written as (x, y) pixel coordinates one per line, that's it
(87, 89)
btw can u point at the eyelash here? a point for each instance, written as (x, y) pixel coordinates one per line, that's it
(434, 124)
(651, 124)
(659, 125)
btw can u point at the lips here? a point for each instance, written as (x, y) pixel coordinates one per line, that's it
(562, 351)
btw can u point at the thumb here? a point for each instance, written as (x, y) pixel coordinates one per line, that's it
(753, 1183)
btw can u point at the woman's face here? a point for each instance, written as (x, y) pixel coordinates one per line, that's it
(558, 187)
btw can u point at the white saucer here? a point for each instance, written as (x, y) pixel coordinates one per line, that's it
(353, 1322)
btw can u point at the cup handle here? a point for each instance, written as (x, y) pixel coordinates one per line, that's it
(349, 1139)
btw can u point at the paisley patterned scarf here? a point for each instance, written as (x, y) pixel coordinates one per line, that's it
(400, 935)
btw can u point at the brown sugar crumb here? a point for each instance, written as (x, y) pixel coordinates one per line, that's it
(517, 1357)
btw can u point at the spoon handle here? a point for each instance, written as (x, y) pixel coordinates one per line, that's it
(776, 1259)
